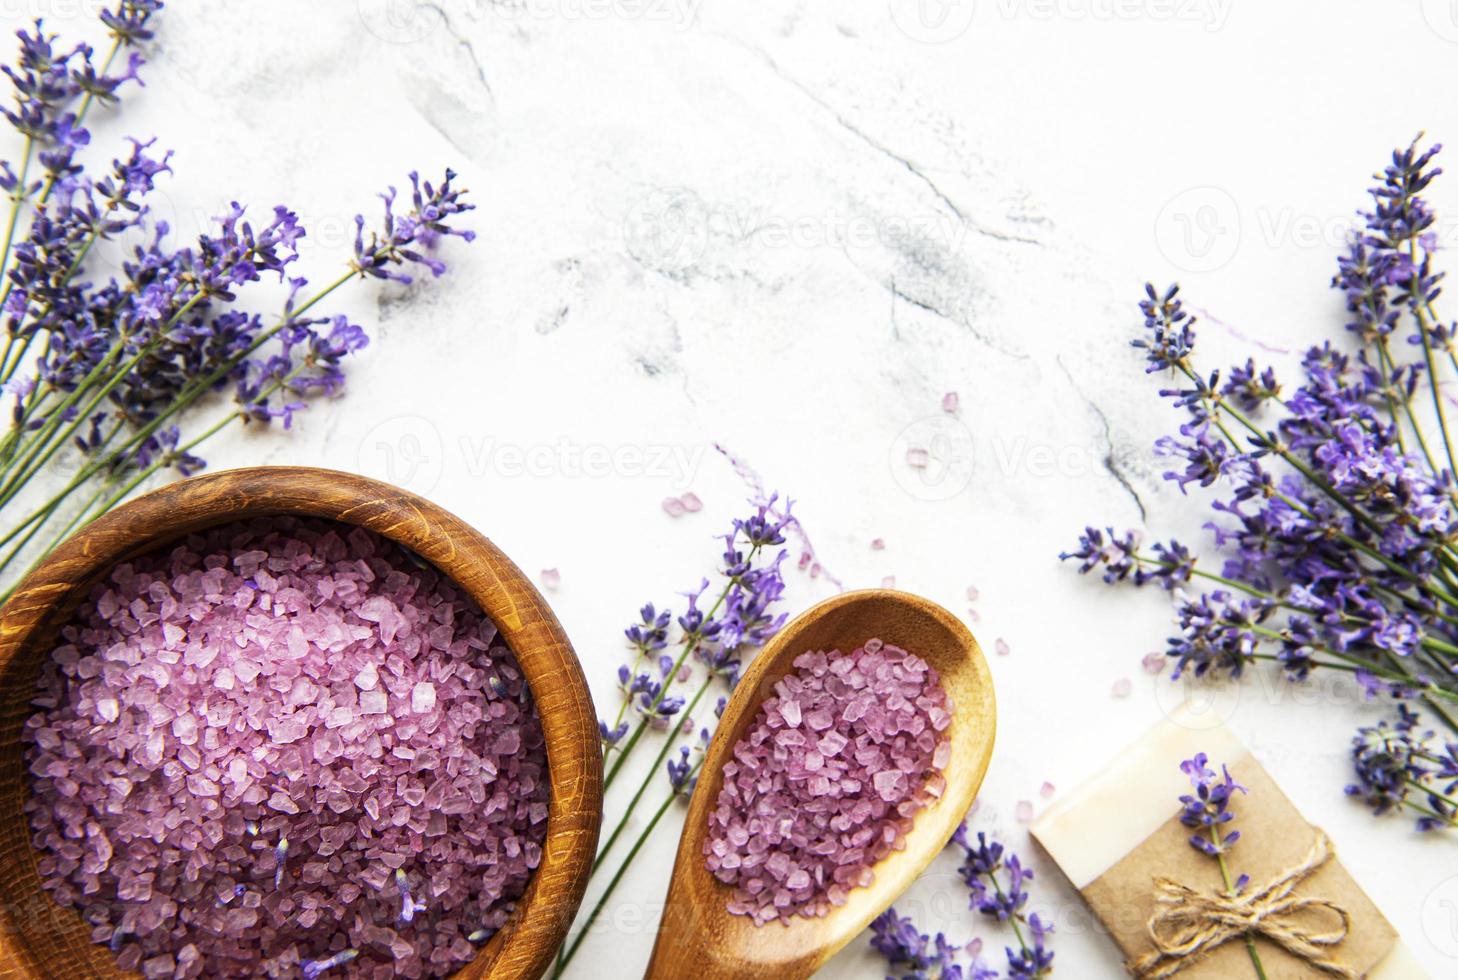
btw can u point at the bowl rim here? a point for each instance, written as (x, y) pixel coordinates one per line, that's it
(525, 945)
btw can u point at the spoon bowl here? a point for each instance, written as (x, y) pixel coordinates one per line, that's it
(699, 937)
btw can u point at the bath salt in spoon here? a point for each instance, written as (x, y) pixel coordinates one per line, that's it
(700, 937)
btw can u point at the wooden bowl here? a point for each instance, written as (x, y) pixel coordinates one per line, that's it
(39, 938)
(698, 936)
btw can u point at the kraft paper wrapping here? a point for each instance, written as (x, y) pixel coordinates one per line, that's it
(1119, 833)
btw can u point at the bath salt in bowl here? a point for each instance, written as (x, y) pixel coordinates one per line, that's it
(289, 723)
(828, 780)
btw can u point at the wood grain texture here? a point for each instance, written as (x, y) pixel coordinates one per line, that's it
(698, 937)
(41, 939)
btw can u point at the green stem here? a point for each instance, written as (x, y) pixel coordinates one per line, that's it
(197, 389)
(1423, 328)
(563, 960)
(1384, 354)
(689, 647)
(1429, 791)
(50, 181)
(1250, 946)
(16, 196)
(51, 546)
(46, 442)
(1429, 812)
(648, 778)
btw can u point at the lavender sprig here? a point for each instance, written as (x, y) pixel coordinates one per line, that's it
(1207, 811)
(914, 955)
(1335, 509)
(104, 362)
(1401, 766)
(997, 883)
(742, 617)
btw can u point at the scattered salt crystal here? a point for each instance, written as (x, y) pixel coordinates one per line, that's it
(1153, 663)
(878, 544)
(889, 582)
(1025, 811)
(1046, 790)
(1001, 647)
(674, 507)
(917, 458)
(829, 798)
(973, 594)
(950, 402)
(551, 578)
(1122, 687)
(249, 711)
(691, 502)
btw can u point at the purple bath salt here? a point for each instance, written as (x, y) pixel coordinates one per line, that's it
(827, 780)
(285, 748)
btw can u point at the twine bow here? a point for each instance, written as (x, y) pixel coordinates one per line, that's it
(1188, 924)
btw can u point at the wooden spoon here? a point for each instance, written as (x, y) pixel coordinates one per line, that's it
(698, 937)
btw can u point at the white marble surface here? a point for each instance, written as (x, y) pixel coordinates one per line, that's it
(791, 227)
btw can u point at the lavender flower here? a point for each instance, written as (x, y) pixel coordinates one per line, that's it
(1115, 555)
(1399, 766)
(312, 968)
(398, 245)
(106, 359)
(725, 619)
(912, 953)
(1207, 810)
(997, 882)
(408, 905)
(1334, 519)
(650, 634)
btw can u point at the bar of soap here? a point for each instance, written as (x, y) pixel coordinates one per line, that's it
(1121, 828)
